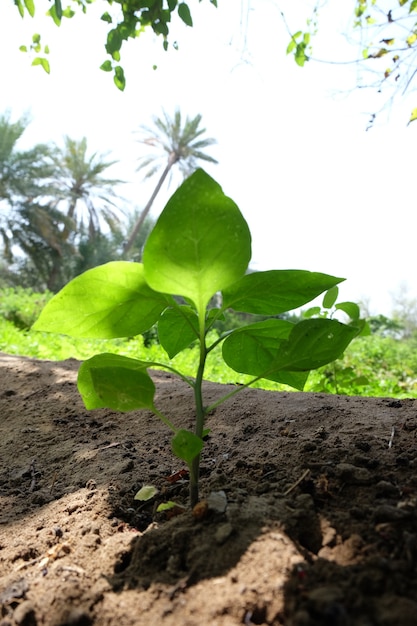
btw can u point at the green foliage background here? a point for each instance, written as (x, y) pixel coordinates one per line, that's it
(372, 366)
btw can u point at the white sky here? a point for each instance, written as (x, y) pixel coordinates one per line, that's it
(318, 192)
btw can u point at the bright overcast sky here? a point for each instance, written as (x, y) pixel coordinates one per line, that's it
(318, 191)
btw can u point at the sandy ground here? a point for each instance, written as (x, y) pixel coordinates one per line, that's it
(309, 514)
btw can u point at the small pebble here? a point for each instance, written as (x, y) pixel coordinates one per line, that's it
(217, 501)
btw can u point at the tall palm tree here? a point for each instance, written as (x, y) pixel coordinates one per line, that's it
(176, 143)
(88, 195)
(25, 183)
(23, 173)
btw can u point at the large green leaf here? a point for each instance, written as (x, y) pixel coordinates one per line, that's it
(276, 291)
(200, 243)
(115, 382)
(273, 347)
(177, 329)
(111, 300)
(251, 350)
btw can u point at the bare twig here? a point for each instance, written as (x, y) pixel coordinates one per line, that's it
(300, 480)
(391, 439)
(33, 475)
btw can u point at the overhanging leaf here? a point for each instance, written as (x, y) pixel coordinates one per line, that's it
(177, 329)
(200, 243)
(184, 13)
(108, 301)
(276, 291)
(115, 382)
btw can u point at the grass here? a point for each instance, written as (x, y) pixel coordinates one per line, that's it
(371, 366)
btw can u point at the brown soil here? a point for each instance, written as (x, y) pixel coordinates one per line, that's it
(309, 515)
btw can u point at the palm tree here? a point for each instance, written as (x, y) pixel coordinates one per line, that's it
(176, 144)
(23, 173)
(80, 184)
(25, 183)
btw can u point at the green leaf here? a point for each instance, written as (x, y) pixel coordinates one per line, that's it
(108, 301)
(316, 342)
(267, 348)
(177, 329)
(252, 350)
(68, 12)
(145, 493)
(330, 297)
(106, 66)
(106, 17)
(23, 48)
(20, 7)
(58, 9)
(413, 116)
(291, 46)
(30, 5)
(276, 291)
(36, 38)
(186, 445)
(114, 41)
(184, 13)
(351, 309)
(300, 54)
(52, 12)
(119, 78)
(43, 63)
(115, 382)
(413, 6)
(200, 243)
(166, 506)
(312, 312)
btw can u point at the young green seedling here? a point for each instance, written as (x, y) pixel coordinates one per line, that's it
(200, 247)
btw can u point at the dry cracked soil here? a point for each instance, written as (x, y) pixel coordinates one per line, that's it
(308, 514)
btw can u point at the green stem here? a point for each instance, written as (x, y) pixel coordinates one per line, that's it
(231, 394)
(200, 412)
(164, 419)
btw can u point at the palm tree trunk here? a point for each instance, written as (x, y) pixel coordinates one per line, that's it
(172, 159)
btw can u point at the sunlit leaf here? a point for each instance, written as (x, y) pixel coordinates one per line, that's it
(106, 66)
(115, 382)
(411, 39)
(43, 63)
(200, 244)
(413, 116)
(119, 78)
(30, 6)
(108, 301)
(276, 291)
(177, 329)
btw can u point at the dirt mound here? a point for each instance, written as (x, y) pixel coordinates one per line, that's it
(308, 515)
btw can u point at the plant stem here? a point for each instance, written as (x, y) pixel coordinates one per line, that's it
(200, 413)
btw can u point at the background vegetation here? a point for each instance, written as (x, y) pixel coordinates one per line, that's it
(382, 364)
